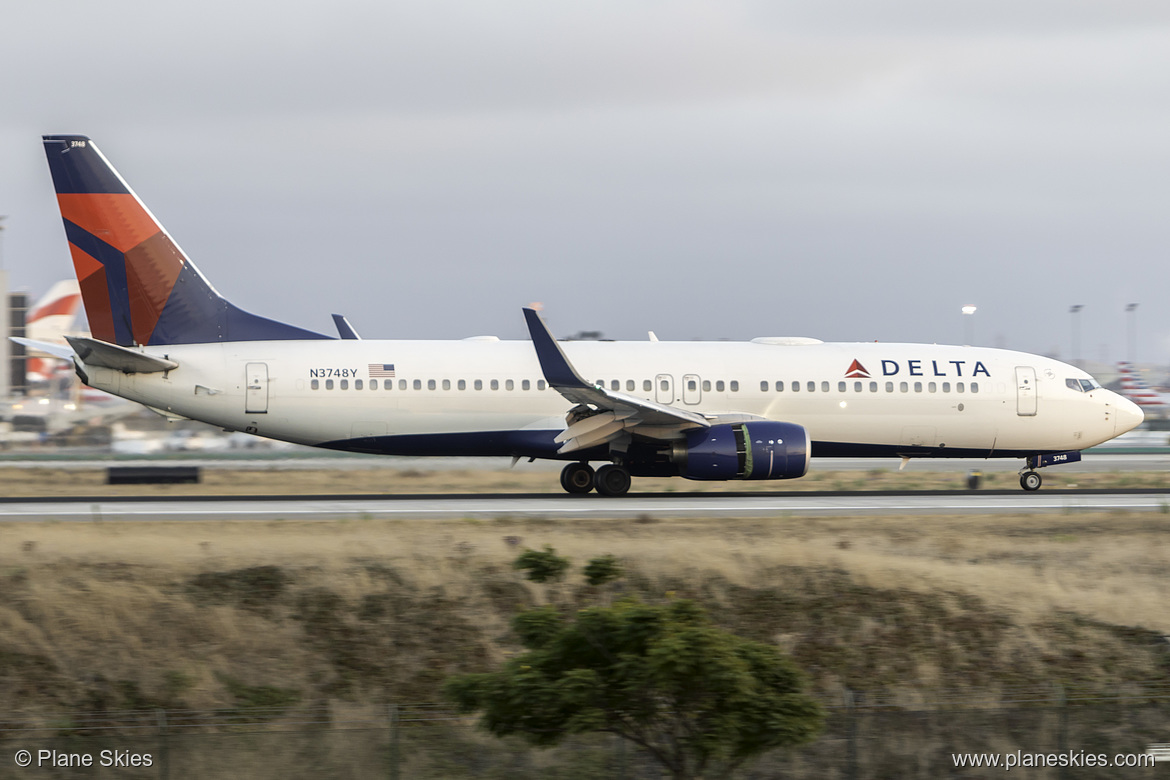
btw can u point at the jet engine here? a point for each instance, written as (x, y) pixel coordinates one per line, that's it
(753, 450)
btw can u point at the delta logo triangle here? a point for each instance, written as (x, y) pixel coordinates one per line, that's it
(856, 371)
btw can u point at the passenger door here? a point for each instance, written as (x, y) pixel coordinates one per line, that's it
(1025, 391)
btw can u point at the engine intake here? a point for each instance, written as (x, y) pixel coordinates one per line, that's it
(756, 450)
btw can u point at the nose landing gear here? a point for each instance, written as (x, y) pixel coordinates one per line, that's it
(1030, 480)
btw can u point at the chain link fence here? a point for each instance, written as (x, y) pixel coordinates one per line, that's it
(866, 736)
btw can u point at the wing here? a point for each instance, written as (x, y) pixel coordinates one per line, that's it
(600, 415)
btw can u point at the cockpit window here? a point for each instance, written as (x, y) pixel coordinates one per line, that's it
(1082, 385)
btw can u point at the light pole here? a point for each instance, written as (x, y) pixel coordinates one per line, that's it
(1075, 321)
(1131, 310)
(968, 325)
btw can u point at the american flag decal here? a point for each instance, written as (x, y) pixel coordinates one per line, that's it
(378, 370)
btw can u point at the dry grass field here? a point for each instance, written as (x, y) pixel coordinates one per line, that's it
(114, 615)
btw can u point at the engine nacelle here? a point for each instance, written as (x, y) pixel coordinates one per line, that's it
(753, 450)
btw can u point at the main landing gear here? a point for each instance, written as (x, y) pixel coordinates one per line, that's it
(610, 480)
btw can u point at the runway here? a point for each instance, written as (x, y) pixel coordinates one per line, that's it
(560, 506)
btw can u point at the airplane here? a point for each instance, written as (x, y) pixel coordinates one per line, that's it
(1134, 387)
(164, 337)
(49, 319)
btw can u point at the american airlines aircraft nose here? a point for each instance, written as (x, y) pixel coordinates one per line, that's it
(1129, 415)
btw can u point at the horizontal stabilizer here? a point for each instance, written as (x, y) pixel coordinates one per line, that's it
(49, 348)
(129, 361)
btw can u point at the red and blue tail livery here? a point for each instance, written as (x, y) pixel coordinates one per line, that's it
(137, 285)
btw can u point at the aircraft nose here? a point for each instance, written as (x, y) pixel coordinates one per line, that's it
(1129, 415)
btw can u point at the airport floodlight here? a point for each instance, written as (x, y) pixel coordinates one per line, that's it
(968, 309)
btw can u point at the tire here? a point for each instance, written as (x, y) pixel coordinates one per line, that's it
(612, 480)
(1030, 481)
(577, 478)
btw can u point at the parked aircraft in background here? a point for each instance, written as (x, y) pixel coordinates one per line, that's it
(1135, 388)
(50, 319)
(163, 336)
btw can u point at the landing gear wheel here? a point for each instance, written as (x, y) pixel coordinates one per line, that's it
(577, 478)
(612, 480)
(1030, 481)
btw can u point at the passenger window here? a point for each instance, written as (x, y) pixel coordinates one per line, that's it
(401, 384)
(735, 385)
(931, 387)
(615, 385)
(344, 384)
(430, 384)
(958, 387)
(509, 385)
(525, 384)
(763, 386)
(446, 384)
(315, 384)
(719, 386)
(357, 384)
(946, 387)
(461, 384)
(630, 386)
(706, 385)
(539, 384)
(974, 387)
(478, 384)
(495, 384)
(418, 384)
(796, 387)
(812, 387)
(646, 386)
(664, 385)
(904, 387)
(692, 385)
(779, 387)
(889, 387)
(328, 384)
(841, 387)
(918, 387)
(824, 387)
(873, 387)
(857, 387)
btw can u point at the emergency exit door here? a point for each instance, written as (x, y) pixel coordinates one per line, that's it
(256, 389)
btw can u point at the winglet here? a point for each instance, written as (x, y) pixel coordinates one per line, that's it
(558, 371)
(344, 329)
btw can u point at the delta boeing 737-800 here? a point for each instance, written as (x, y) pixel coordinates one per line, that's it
(162, 336)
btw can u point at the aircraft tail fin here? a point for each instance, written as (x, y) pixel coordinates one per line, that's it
(137, 285)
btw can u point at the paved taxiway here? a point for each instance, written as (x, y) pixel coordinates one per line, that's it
(567, 507)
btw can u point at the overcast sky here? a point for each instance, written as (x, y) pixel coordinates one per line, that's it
(854, 170)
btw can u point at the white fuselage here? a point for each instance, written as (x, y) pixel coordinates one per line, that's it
(450, 397)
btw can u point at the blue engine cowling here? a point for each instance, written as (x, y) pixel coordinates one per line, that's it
(753, 450)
